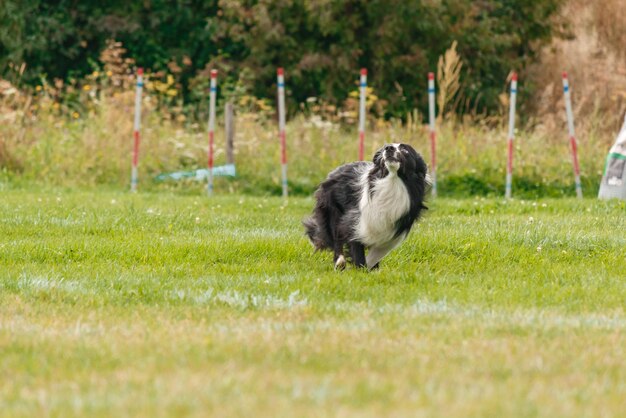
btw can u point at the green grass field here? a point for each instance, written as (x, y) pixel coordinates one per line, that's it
(162, 304)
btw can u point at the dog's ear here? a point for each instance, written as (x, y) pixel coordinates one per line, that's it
(378, 156)
(421, 168)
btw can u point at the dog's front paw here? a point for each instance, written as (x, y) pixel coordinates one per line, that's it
(340, 264)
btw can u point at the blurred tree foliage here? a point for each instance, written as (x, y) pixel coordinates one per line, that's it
(321, 43)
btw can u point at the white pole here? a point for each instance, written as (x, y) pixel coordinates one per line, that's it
(281, 128)
(509, 164)
(212, 95)
(572, 135)
(362, 98)
(433, 133)
(137, 127)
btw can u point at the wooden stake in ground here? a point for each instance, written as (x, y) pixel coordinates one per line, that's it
(229, 122)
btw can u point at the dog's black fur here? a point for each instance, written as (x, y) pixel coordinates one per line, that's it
(354, 194)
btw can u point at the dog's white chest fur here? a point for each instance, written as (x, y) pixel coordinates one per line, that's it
(380, 211)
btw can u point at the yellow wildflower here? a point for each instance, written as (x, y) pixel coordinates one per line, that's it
(244, 100)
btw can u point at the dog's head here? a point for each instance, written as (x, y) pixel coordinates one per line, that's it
(400, 159)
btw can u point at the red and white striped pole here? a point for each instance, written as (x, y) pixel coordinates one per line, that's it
(212, 95)
(433, 134)
(281, 128)
(363, 93)
(572, 135)
(509, 162)
(137, 126)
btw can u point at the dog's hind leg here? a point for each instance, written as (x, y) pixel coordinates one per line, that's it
(357, 252)
(335, 231)
(339, 259)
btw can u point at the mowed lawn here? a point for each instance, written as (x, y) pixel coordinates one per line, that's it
(163, 304)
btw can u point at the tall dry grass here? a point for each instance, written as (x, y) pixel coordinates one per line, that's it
(594, 55)
(609, 17)
(449, 69)
(97, 151)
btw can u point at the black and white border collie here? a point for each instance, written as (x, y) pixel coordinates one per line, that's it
(369, 205)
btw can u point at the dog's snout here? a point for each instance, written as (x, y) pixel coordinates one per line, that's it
(390, 151)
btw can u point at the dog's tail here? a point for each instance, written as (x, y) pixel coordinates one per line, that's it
(312, 231)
